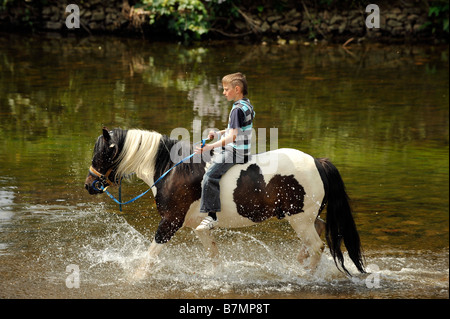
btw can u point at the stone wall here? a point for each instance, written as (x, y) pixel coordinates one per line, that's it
(96, 16)
(397, 22)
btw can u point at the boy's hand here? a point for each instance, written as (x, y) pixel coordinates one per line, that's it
(222, 142)
(212, 135)
(206, 148)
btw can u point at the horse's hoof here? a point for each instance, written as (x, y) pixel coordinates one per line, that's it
(138, 275)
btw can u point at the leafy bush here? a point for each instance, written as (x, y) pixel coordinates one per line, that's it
(438, 11)
(184, 18)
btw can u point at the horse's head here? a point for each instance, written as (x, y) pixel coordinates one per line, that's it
(104, 162)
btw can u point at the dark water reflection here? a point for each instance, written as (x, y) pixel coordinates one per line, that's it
(379, 113)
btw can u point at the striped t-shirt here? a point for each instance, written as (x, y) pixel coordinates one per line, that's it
(241, 117)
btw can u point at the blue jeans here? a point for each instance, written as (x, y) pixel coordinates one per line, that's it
(210, 200)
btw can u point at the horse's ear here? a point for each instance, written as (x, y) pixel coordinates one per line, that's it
(106, 135)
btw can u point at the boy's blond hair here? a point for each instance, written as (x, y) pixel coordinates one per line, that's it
(236, 79)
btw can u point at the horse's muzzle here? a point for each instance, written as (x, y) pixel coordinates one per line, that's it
(92, 185)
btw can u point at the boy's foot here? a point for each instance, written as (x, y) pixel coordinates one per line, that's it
(207, 223)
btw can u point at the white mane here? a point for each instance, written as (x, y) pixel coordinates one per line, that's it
(138, 154)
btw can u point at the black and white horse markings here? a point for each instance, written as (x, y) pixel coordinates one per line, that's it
(285, 183)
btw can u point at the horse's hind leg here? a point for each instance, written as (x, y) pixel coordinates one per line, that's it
(312, 245)
(209, 244)
(320, 225)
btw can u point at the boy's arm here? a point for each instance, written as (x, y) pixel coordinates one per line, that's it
(236, 120)
(229, 138)
(216, 134)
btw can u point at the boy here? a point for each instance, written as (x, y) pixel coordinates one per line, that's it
(235, 142)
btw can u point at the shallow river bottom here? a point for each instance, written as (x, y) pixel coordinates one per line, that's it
(47, 245)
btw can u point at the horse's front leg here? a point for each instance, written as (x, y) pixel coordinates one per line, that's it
(166, 229)
(148, 262)
(209, 244)
(206, 237)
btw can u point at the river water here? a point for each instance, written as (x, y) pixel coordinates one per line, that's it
(379, 112)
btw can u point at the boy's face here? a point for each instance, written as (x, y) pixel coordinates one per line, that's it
(232, 94)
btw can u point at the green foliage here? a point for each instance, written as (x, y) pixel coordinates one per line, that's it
(438, 11)
(184, 18)
(4, 4)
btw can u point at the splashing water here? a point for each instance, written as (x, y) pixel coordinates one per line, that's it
(257, 262)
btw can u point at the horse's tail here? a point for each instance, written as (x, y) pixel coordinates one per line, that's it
(339, 220)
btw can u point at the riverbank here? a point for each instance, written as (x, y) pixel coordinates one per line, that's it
(398, 21)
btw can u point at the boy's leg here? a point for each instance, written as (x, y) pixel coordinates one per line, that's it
(210, 200)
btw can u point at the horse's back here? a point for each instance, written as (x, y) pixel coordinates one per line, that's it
(281, 175)
(284, 161)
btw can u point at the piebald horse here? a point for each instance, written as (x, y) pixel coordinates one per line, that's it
(285, 183)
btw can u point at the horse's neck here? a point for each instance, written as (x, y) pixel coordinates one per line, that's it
(139, 154)
(149, 155)
(163, 156)
(170, 153)
(173, 152)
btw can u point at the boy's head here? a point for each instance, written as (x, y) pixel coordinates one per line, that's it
(235, 80)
